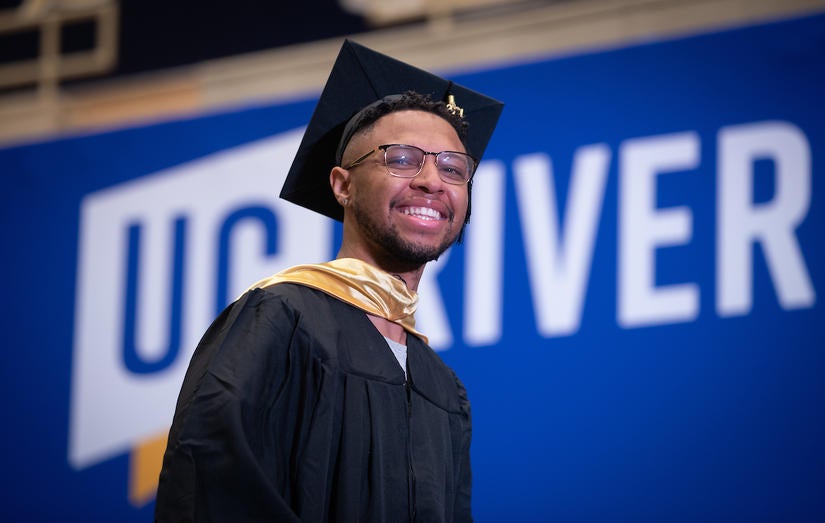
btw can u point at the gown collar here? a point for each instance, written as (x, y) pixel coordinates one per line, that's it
(358, 283)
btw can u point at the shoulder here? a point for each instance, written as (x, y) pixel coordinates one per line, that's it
(281, 310)
(292, 296)
(259, 326)
(274, 303)
(321, 324)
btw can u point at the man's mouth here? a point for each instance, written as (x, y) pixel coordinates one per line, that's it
(423, 212)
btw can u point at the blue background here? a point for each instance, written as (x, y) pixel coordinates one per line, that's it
(718, 419)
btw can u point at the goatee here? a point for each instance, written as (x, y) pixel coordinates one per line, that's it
(395, 245)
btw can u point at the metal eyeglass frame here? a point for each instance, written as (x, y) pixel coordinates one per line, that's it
(384, 147)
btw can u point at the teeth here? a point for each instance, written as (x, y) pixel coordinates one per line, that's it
(422, 212)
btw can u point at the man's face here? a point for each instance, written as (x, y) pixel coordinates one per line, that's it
(413, 220)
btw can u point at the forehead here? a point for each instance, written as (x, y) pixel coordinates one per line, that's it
(415, 127)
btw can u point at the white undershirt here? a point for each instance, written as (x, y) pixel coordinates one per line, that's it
(399, 350)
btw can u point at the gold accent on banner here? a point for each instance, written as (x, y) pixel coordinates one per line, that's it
(144, 469)
(359, 284)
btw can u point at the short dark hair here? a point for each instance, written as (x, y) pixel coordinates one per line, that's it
(414, 101)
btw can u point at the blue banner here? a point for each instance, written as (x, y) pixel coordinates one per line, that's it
(634, 309)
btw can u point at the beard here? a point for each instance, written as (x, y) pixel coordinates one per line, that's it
(395, 245)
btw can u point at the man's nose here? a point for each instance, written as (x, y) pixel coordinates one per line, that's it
(428, 179)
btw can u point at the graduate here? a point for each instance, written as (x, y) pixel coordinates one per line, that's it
(313, 397)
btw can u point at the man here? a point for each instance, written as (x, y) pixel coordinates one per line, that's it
(313, 397)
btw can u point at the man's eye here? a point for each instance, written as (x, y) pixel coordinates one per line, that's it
(401, 161)
(454, 173)
(453, 167)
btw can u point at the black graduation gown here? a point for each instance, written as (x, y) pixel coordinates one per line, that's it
(294, 409)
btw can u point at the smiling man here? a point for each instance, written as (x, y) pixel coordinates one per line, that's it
(313, 397)
(401, 210)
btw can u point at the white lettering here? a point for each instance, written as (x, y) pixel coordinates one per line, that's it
(484, 252)
(643, 228)
(559, 262)
(741, 223)
(431, 315)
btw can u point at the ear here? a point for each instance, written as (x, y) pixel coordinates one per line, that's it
(339, 179)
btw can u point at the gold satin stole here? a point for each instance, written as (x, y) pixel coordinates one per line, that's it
(358, 283)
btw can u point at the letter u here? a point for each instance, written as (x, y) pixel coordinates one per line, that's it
(132, 359)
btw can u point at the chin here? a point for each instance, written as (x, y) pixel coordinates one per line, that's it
(416, 253)
(400, 247)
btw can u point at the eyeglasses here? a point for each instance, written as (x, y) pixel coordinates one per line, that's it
(407, 161)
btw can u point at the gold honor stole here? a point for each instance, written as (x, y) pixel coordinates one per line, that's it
(358, 283)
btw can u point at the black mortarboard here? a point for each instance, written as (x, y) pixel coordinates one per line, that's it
(359, 78)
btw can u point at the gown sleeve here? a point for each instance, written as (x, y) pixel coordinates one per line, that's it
(229, 448)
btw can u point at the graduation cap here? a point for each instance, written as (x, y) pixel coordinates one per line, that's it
(359, 78)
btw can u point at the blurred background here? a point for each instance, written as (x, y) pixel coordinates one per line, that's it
(79, 64)
(633, 311)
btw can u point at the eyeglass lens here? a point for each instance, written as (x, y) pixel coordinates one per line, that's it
(407, 161)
